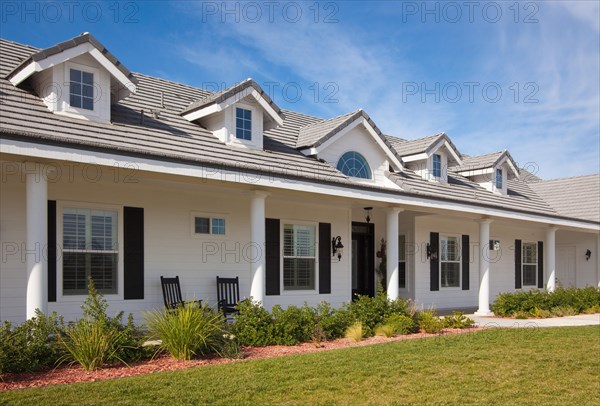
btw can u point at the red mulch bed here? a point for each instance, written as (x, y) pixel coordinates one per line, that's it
(72, 374)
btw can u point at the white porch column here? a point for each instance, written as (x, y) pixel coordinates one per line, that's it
(484, 268)
(392, 252)
(37, 240)
(550, 258)
(257, 238)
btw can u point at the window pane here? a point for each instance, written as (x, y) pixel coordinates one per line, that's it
(298, 273)
(437, 165)
(449, 247)
(529, 253)
(450, 274)
(75, 101)
(74, 267)
(87, 78)
(218, 226)
(239, 113)
(355, 165)
(248, 115)
(103, 270)
(529, 275)
(401, 248)
(75, 75)
(202, 225)
(73, 230)
(87, 104)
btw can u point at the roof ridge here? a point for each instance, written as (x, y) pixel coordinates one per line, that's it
(569, 177)
(330, 119)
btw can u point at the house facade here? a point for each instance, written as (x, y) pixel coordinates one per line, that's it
(124, 178)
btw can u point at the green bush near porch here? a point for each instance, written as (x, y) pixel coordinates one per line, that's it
(537, 303)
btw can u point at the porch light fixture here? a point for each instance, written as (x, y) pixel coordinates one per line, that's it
(337, 248)
(368, 214)
(431, 252)
(588, 255)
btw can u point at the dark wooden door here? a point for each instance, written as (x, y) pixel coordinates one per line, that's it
(363, 259)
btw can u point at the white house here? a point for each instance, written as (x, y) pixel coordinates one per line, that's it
(124, 177)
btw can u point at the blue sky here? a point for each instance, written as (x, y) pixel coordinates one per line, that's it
(493, 75)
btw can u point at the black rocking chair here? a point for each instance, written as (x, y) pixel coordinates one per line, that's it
(172, 293)
(228, 295)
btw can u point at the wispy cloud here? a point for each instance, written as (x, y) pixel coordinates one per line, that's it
(371, 64)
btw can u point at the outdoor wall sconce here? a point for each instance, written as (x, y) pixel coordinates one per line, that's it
(368, 214)
(336, 247)
(431, 252)
(588, 255)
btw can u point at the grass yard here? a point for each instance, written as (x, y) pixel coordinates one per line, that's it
(520, 366)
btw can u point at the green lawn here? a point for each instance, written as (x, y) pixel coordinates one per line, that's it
(521, 366)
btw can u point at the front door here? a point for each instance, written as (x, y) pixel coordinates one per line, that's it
(363, 259)
(565, 265)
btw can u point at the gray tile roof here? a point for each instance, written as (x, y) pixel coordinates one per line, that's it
(475, 162)
(218, 97)
(406, 148)
(72, 43)
(161, 133)
(577, 197)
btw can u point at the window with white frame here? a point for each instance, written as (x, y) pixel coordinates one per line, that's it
(437, 165)
(299, 260)
(402, 262)
(243, 124)
(450, 261)
(498, 178)
(207, 225)
(81, 89)
(90, 250)
(529, 263)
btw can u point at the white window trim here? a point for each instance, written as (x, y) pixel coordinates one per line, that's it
(535, 285)
(66, 106)
(210, 216)
(232, 139)
(405, 260)
(235, 126)
(61, 205)
(298, 292)
(460, 281)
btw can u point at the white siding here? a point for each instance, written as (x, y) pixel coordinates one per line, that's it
(170, 247)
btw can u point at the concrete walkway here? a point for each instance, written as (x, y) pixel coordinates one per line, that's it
(579, 320)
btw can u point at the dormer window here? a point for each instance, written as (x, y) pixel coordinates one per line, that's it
(499, 179)
(437, 165)
(81, 89)
(243, 124)
(355, 165)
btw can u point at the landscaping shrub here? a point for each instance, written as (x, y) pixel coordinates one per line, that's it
(562, 311)
(253, 324)
(385, 330)
(31, 346)
(186, 331)
(539, 313)
(372, 311)
(293, 325)
(355, 332)
(537, 303)
(230, 347)
(430, 322)
(90, 344)
(401, 324)
(96, 338)
(458, 320)
(330, 323)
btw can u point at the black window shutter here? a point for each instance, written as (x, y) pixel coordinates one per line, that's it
(51, 250)
(434, 262)
(466, 260)
(272, 256)
(402, 275)
(540, 258)
(517, 264)
(324, 258)
(133, 255)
